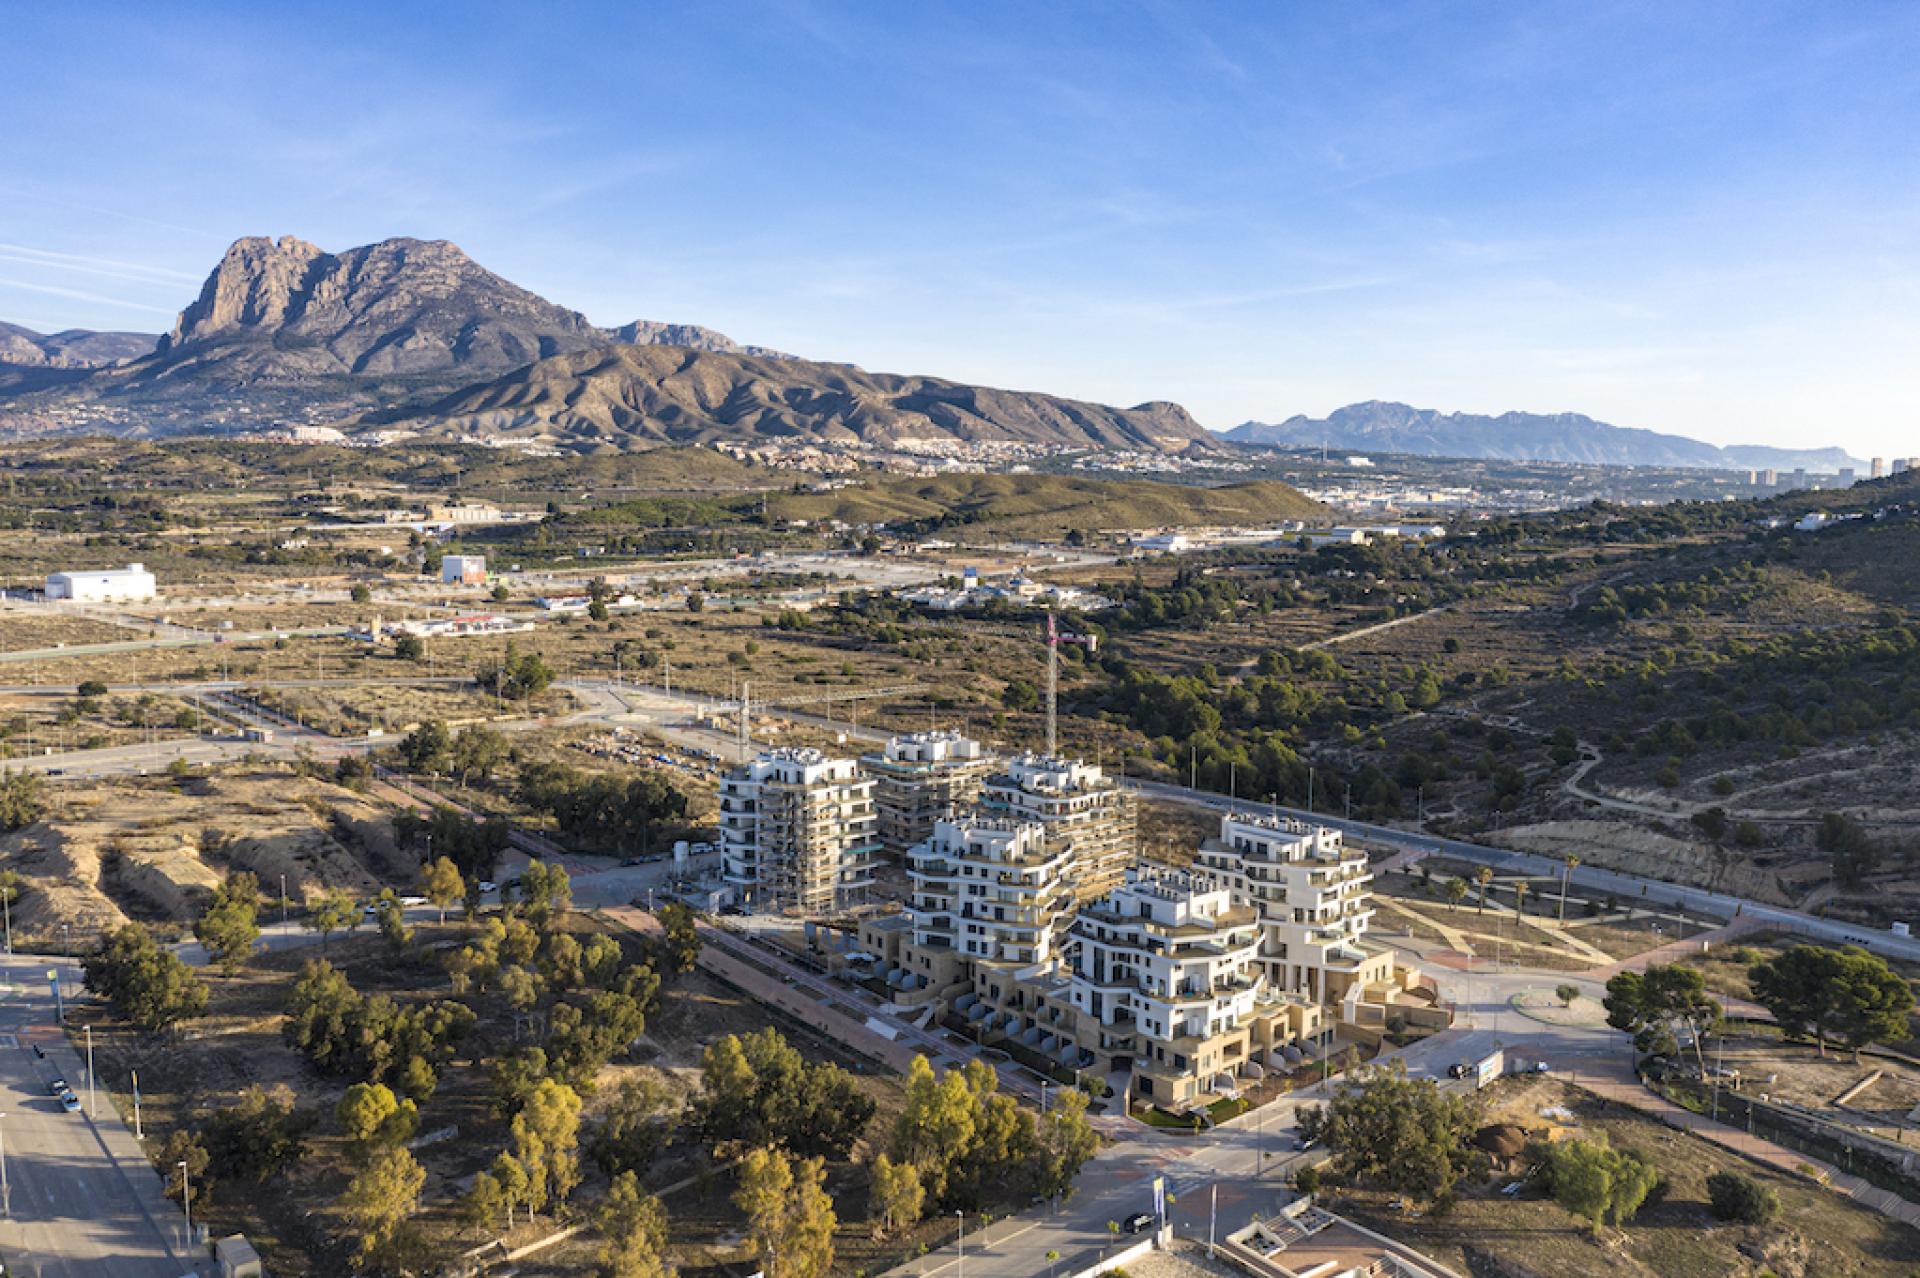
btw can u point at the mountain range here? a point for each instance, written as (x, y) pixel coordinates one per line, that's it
(414, 335)
(1385, 427)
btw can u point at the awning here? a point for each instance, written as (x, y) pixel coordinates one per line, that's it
(965, 1002)
(1294, 1054)
(1253, 1069)
(979, 1011)
(1032, 1035)
(861, 956)
(1223, 1082)
(1068, 1054)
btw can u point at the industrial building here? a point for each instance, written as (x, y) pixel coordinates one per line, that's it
(921, 779)
(1086, 813)
(106, 585)
(797, 832)
(464, 570)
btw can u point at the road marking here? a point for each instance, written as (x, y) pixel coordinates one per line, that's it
(9, 1040)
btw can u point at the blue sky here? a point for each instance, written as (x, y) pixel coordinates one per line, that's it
(1699, 218)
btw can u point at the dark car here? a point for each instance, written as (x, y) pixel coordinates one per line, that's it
(1138, 1223)
(57, 1086)
(1459, 1069)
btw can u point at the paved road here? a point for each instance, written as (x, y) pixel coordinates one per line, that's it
(85, 1201)
(1626, 886)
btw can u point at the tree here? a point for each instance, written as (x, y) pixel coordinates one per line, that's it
(148, 985)
(633, 1231)
(1456, 889)
(183, 1146)
(1853, 854)
(477, 754)
(360, 593)
(629, 1131)
(22, 799)
(897, 1195)
(545, 891)
(760, 1091)
(1566, 994)
(1846, 994)
(679, 946)
(1597, 1182)
(371, 1116)
(1484, 877)
(1067, 1140)
(409, 648)
(334, 912)
(91, 688)
(230, 925)
(546, 1135)
(1661, 1004)
(789, 1215)
(1567, 866)
(259, 1135)
(497, 1191)
(1520, 887)
(1741, 1198)
(391, 918)
(1307, 1180)
(517, 675)
(442, 885)
(1403, 1134)
(428, 748)
(381, 1197)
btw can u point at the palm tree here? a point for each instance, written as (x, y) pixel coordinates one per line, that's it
(1483, 876)
(1520, 887)
(1566, 873)
(1457, 889)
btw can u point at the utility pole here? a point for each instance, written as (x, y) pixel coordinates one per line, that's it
(91, 1110)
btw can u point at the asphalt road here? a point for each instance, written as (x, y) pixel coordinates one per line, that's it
(84, 1201)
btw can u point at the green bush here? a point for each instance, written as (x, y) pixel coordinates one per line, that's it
(1741, 1198)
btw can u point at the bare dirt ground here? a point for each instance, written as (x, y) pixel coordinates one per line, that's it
(151, 849)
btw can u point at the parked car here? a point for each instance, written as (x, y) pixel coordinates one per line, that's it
(57, 1086)
(70, 1102)
(1459, 1069)
(1138, 1223)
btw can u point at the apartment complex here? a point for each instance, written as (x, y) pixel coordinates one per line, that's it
(989, 896)
(922, 779)
(1166, 981)
(797, 832)
(1310, 892)
(1086, 813)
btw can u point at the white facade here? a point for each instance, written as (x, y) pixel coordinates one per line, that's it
(469, 570)
(1310, 891)
(1169, 953)
(988, 891)
(1085, 811)
(797, 832)
(107, 585)
(922, 778)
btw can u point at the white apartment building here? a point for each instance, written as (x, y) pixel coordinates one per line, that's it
(105, 585)
(921, 779)
(1085, 811)
(1310, 892)
(797, 832)
(1166, 979)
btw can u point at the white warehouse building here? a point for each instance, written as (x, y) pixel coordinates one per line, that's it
(105, 585)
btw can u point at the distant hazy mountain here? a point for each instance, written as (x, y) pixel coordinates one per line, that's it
(1380, 426)
(72, 348)
(1385, 426)
(643, 395)
(415, 332)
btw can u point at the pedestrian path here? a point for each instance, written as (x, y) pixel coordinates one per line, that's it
(1612, 1081)
(1673, 951)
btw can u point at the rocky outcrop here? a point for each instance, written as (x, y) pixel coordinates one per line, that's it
(691, 336)
(71, 348)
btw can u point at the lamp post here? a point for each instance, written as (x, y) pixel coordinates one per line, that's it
(186, 1197)
(91, 1111)
(6, 1193)
(960, 1242)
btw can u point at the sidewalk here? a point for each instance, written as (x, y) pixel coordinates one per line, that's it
(1673, 951)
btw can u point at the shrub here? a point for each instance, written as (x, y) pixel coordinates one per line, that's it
(1741, 1198)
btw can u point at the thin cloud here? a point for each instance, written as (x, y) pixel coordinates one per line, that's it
(106, 266)
(80, 295)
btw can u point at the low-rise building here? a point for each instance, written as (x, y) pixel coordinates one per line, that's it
(920, 779)
(103, 585)
(1086, 813)
(797, 832)
(465, 570)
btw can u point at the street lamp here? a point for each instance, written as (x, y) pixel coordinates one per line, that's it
(960, 1242)
(186, 1197)
(6, 1194)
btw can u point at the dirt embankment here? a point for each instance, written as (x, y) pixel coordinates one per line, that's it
(152, 850)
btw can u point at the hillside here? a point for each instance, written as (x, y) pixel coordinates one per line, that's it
(626, 396)
(1037, 503)
(1380, 426)
(71, 348)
